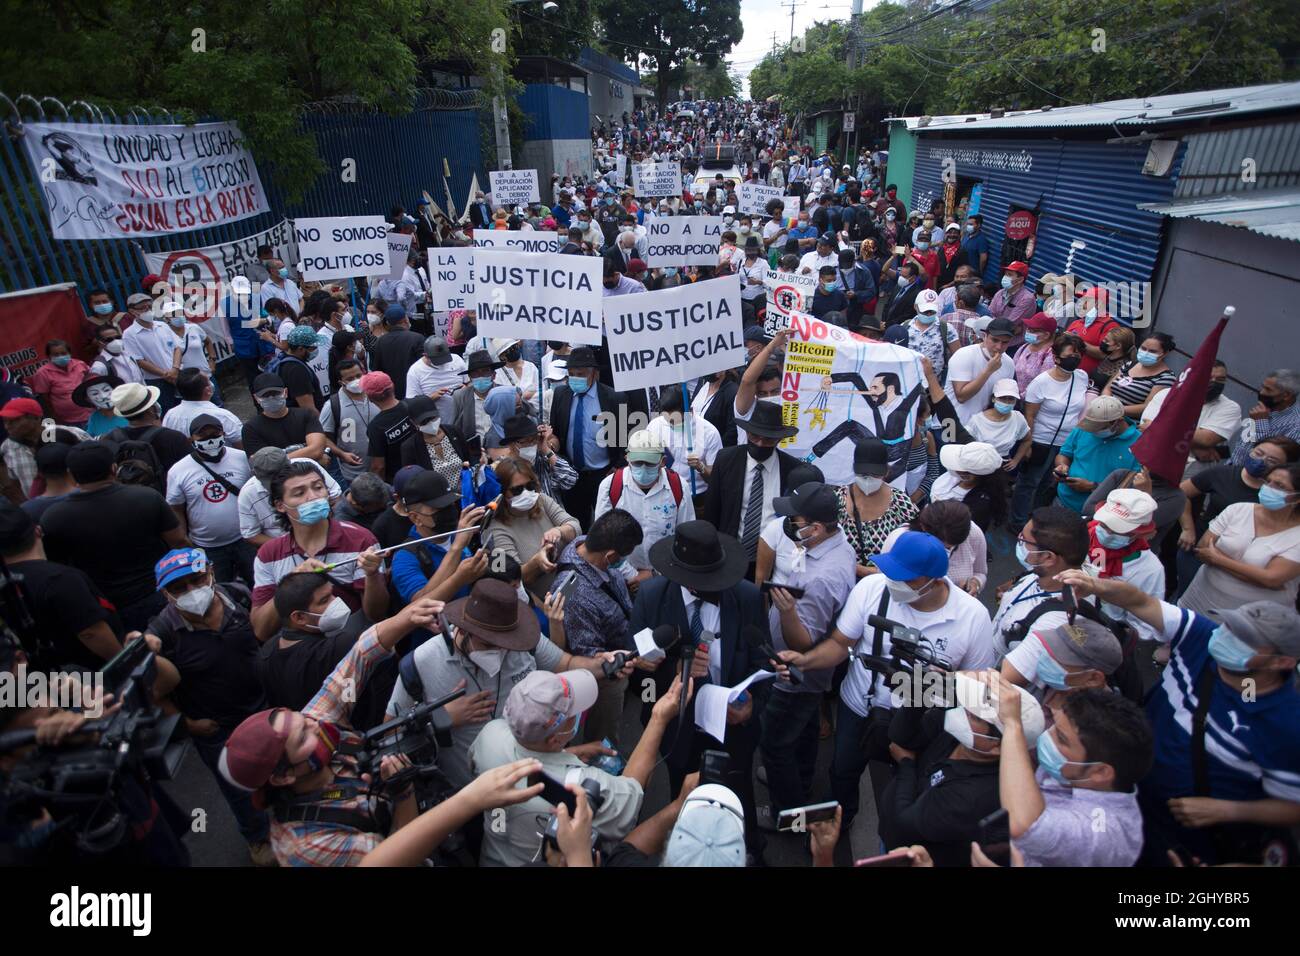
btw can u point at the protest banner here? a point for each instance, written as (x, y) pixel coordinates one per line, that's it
(656, 179)
(31, 317)
(674, 335)
(522, 241)
(787, 293)
(754, 197)
(107, 181)
(790, 214)
(682, 240)
(342, 247)
(533, 295)
(514, 187)
(838, 387)
(451, 278)
(618, 175)
(399, 245)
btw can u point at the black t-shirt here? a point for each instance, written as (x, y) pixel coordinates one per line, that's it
(64, 602)
(114, 534)
(395, 353)
(293, 429)
(386, 432)
(168, 444)
(390, 528)
(1221, 486)
(299, 379)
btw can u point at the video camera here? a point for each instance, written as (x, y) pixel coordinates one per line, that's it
(79, 782)
(417, 736)
(908, 649)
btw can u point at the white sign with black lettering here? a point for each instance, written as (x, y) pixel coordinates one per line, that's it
(399, 246)
(451, 278)
(522, 241)
(531, 295)
(787, 292)
(656, 179)
(754, 197)
(683, 240)
(342, 247)
(674, 334)
(514, 187)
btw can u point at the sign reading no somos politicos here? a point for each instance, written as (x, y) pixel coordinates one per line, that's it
(342, 247)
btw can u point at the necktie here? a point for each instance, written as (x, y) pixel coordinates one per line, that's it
(753, 512)
(579, 429)
(697, 626)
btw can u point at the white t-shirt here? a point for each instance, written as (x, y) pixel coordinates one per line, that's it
(773, 535)
(1017, 601)
(422, 378)
(154, 345)
(1059, 406)
(960, 630)
(1004, 436)
(320, 364)
(966, 365)
(525, 383)
(256, 516)
(1144, 571)
(191, 340)
(812, 262)
(1221, 416)
(211, 510)
(178, 418)
(1214, 588)
(655, 509)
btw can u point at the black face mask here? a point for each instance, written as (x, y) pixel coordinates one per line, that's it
(1268, 401)
(446, 519)
(510, 354)
(1069, 363)
(760, 453)
(1214, 391)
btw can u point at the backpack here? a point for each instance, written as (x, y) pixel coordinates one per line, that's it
(1126, 679)
(278, 360)
(616, 487)
(137, 461)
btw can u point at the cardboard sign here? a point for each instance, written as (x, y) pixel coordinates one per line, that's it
(451, 278)
(514, 187)
(399, 246)
(532, 295)
(754, 197)
(787, 293)
(683, 240)
(656, 179)
(342, 247)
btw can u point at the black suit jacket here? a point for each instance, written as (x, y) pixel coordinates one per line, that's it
(721, 506)
(480, 215)
(902, 306)
(611, 402)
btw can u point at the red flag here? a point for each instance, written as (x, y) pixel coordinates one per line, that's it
(1167, 441)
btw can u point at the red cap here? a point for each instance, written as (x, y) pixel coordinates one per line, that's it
(18, 407)
(148, 282)
(375, 384)
(253, 751)
(1041, 322)
(636, 265)
(1017, 266)
(869, 193)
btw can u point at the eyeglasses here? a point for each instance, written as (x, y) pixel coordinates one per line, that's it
(518, 489)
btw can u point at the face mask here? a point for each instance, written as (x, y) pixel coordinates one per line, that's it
(273, 403)
(1089, 317)
(1230, 651)
(1069, 363)
(1031, 338)
(1272, 499)
(104, 308)
(889, 216)
(926, 318)
(868, 485)
(1006, 282)
(1053, 761)
(904, 282)
(1257, 467)
(645, 474)
(1050, 672)
(626, 229)
(1268, 401)
(488, 661)
(210, 447)
(101, 396)
(1214, 390)
(197, 601)
(578, 385)
(922, 246)
(314, 511)
(482, 385)
(353, 386)
(1147, 358)
(114, 347)
(528, 454)
(430, 427)
(334, 617)
(1022, 555)
(523, 501)
(970, 230)
(61, 361)
(956, 723)
(904, 593)
(759, 452)
(830, 286)
(327, 741)
(1004, 408)
(1114, 542)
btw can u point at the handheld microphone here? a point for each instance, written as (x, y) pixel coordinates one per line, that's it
(758, 640)
(663, 637)
(687, 652)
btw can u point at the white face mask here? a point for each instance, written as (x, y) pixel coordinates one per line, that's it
(431, 427)
(353, 386)
(957, 725)
(197, 601)
(334, 617)
(868, 485)
(101, 396)
(528, 454)
(904, 593)
(488, 661)
(523, 501)
(114, 347)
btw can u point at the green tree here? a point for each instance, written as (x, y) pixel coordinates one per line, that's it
(665, 35)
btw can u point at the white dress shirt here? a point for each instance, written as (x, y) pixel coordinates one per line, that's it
(771, 489)
(711, 618)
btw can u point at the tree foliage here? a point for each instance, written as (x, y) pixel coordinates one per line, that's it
(664, 35)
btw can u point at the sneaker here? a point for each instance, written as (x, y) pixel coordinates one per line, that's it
(262, 854)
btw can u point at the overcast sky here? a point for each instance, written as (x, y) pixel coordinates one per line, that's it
(762, 17)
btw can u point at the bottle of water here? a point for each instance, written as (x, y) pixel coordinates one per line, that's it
(611, 764)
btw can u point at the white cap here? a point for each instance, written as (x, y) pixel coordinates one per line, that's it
(728, 210)
(951, 226)
(1126, 509)
(500, 345)
(644, 443)
(927, 300)
(970, 695)
(1006, 388)
(710, 830)
(976, 458)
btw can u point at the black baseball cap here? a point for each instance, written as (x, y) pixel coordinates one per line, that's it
(429, 488)
(1000, 326)
(267, 381)
(871, 458)
(812, 500)
(518, 427)
(204, 421)
(421, 409)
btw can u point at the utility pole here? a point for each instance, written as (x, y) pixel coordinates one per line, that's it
(774, 35)
(793, 5)
(852, 63)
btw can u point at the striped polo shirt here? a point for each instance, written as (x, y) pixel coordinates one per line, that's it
(279, 556)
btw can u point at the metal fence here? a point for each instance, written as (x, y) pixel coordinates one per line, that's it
(396, 158)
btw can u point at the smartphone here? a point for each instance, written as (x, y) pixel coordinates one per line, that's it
(802, 816)
(900, 250)
(553, 792)
(564, 584)
(795, 593)
(995, 837)
(475, 449)
(892, 858)
(714, 767)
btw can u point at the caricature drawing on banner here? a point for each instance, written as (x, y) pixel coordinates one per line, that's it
(839, 388)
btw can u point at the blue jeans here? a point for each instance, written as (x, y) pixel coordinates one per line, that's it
(848, 761)
(254, 824)
(232, 561)
(167, 397)
(1034, 488)
(789, 727)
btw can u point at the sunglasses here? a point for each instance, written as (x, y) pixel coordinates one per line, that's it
(518, 489)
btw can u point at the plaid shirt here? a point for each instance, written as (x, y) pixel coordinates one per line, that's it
(20, 460)
(1285, 423)
(596, 614)
(302, 842)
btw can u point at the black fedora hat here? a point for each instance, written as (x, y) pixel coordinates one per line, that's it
(517, 427)
(79, 393)
(481, 359)
(698, 556)
(766, 422)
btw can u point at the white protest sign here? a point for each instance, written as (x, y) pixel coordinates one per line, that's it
(451, 278)
(656, 179)
(839, 387)
(791, 210)
(674, 335)
(514, 187)
(521, 241)
(787, 293)
(532, 295)
(342, 247)
(754, 197)
(107, 181)
(618, 175)
(399, 245)
(683, 240)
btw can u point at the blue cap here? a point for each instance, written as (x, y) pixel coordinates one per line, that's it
(914, 555)
(179, 563)
(394, 313)
(302, 336)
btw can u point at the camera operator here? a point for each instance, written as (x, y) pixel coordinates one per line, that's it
(947, 775)
(1054, 539)
(297, 762)
(912, 590)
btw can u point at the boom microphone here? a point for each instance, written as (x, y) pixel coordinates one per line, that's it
(759, 641)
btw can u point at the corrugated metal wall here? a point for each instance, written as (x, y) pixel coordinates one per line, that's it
(397, 157)
(1086, 191)
(1216, 161)
(902, 161)
(553, 112)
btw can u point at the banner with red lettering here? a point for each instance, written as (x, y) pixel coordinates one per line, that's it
(105, 181)
(30, 318)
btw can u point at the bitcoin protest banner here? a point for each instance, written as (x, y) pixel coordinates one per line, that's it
(839, 388)
(536, 295)
(787, 293)
(682, 240)
(674, 335)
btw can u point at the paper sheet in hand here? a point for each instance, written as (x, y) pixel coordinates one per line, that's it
(711, 704)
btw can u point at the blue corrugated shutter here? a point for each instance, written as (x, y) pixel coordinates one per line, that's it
(553, 112)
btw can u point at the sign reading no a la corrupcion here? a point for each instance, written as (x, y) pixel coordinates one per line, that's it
(514, 187)
(538, 295)
(342, 247)
(650, 180)
(682, 240)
